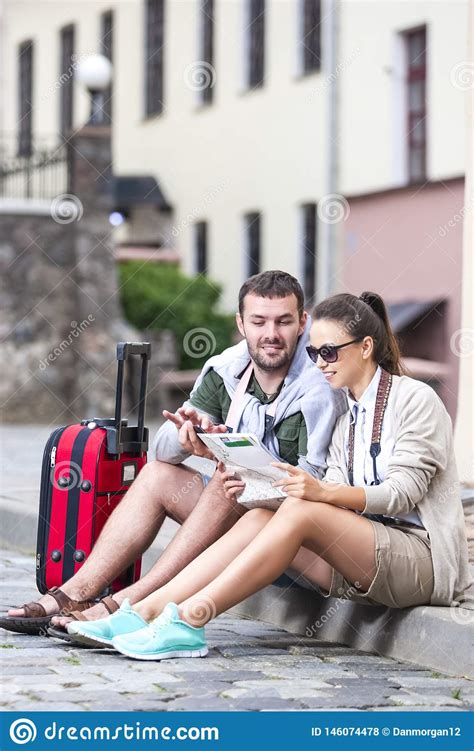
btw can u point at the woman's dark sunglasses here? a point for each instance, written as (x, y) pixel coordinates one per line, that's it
(328, 352)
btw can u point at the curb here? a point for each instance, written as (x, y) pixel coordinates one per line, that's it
(432, 637)
(19, 526)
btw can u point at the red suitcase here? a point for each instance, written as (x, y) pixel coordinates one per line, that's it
(87, 469)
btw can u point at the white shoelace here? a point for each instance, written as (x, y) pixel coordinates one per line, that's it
(163, 620)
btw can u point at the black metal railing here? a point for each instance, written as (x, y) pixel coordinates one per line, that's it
(39, 171)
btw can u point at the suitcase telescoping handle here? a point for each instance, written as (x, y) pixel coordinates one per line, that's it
(121, 439)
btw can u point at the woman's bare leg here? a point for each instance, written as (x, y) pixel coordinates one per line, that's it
(209, 564)
(345, 540)
(221, 554)
(312, 566)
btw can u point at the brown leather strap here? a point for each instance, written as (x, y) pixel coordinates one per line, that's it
(76, 615)
(381, 399)
(65, 605)
(61, 598)
(34, 610)
(110, 604)
(383, 392)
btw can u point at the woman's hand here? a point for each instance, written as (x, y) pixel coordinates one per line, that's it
(300, 484)
(233, 485)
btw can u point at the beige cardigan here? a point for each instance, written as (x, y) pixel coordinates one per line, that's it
(421, 475)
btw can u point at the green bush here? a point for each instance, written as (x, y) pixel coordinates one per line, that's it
(160, 296)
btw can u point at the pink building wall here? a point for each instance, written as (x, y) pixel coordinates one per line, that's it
(406, 244)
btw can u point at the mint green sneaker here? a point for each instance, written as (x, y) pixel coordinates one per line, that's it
(165, 637)
(101, 632)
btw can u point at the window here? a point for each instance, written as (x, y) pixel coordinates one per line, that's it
(415, 42)
(310, 26)
(308, 249)
(200, 247)
(206, 53)
(252, 242)
(154, 56)
(255, 34)
(66, 78)
(25, 98)
(107, 49)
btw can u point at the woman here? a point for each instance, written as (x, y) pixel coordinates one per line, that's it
(384, 527)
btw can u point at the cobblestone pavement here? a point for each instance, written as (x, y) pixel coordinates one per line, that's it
(250, 666)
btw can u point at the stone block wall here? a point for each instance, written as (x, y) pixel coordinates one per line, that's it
(60, 315)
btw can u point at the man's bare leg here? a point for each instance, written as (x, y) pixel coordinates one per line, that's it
(131, 529)
(209, 518)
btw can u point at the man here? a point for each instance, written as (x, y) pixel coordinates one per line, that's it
(274, 325)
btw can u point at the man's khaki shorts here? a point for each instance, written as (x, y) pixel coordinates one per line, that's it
(404, 572)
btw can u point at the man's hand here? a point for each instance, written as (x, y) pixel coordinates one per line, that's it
(232, 483)
(190, 414)
(186, 419)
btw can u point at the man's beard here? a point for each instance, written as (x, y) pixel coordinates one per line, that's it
(267, 363)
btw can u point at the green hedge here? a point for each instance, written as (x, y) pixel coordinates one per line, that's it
(160, 296)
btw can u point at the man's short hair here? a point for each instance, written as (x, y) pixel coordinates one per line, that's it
(272, 284)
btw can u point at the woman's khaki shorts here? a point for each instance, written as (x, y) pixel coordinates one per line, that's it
(404, 572)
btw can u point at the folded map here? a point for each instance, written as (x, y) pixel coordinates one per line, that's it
(244, 454)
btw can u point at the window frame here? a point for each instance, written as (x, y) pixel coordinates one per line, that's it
(201, 238)
(254, 25)
(309, 58)
(154, 63)
(253, 242)
(206, 50)
(67, 40)
(309, 249)
(26, 56)
(416, 74)
(107, 49)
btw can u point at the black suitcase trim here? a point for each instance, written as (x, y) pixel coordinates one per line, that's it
(44, 518)
(73, 497)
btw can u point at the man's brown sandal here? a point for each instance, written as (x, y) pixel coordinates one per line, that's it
(59, 632)
(36, 620)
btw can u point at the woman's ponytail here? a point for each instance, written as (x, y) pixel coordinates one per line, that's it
(391, 358)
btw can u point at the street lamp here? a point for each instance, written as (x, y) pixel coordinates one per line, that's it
(95, 73)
